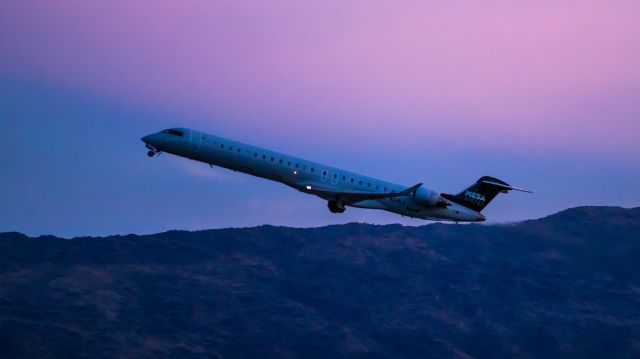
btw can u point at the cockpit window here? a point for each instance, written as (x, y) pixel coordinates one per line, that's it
(174, 132)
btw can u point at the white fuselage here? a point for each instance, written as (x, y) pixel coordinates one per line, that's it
(298, 173)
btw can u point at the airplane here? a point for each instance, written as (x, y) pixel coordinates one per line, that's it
(340, 188)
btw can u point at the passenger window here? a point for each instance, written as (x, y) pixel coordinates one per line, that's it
(255, 154)
(222, 146)
(385, 189)
(360, 182)
(352, 180)
(368, 184)
(264, 157)
(239, 150)
(312, 169)
(344, 178)
(271, 159)
(297, 165)
(280, 162)
(230, 148)
(289, 163)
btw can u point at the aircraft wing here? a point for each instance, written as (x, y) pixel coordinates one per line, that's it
(355, 196)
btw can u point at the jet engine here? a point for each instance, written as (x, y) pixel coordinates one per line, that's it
(429, 198)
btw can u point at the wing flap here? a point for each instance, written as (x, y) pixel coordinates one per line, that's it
(356, 196)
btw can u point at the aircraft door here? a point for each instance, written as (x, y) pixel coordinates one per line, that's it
(195, 140)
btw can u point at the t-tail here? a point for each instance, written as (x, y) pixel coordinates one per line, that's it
(481, 193)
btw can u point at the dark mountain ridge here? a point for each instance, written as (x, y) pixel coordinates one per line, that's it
(564, 285)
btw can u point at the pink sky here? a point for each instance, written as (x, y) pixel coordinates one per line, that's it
(541, 75)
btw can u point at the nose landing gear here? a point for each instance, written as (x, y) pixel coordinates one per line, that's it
(336, 206)
(152, 150)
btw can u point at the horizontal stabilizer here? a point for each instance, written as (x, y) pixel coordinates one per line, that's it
(505, 187)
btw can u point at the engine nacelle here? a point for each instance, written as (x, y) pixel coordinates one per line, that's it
(427, 197)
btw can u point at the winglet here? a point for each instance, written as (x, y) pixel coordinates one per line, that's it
(409, 190)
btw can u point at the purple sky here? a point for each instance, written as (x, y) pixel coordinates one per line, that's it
(542, 94)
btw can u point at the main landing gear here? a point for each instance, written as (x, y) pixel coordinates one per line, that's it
(336, 207)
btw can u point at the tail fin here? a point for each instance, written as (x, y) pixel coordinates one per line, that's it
(481, 193)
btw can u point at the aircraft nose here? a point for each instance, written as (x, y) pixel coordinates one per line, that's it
(480, 218)
(151, 141)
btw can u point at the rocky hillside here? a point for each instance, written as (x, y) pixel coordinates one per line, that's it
(567, 285)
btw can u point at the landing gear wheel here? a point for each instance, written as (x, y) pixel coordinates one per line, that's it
(151, 153)
(334, 207)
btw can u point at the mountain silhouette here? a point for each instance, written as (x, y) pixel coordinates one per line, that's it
(567, 285)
